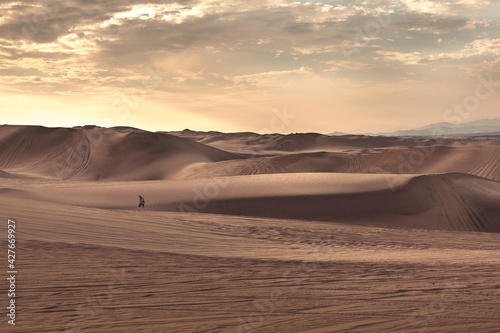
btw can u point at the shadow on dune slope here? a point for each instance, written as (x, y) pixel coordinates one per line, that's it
(454, 202)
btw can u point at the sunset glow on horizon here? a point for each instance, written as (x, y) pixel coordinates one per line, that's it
(348, 66)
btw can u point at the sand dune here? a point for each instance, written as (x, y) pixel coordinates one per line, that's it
(4, 174)
(92, 153)
(257, 144)
(444, 202)
(453, 202)
(480, 159)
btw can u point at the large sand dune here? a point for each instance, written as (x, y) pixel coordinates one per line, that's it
(453, 202)
(93, 153)
(480, 159)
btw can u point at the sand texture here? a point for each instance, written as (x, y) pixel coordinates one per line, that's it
(250, 233)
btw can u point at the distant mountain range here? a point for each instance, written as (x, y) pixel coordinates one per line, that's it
(445, 129)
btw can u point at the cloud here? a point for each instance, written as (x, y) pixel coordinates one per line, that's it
(474, 22)
(485, 46)
(20, 71)
(353, 65)
(429, 23)
(275, 78)
(474, 4)
(427, 6)
(444, 7)
(414, 58)
(122, 36)
(478, 48)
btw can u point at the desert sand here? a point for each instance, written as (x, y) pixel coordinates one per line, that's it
(250, 233)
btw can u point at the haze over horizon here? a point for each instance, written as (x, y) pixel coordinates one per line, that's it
(349, 66)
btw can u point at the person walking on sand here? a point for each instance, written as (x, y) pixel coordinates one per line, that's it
(142, 202)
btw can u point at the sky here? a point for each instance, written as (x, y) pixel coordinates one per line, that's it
(262, 66)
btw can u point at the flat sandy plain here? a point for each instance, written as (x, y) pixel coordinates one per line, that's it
(250, 233)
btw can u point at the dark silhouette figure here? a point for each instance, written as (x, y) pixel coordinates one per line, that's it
(142, 202)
